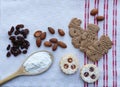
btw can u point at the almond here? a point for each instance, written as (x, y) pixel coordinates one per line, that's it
(37, 33)
(38, 42)
(61, 32)
(53, 40)
(43, 35)
(54, 47)
(62, 44)
(100, 18)
(94, 12)
(47, 44)
(51, 30)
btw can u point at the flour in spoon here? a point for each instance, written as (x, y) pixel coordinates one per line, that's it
(37, 62)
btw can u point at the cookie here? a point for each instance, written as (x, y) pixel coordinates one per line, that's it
(93, 54)
(76, 41)
(74, 32)
(89, 73)
(74, 23)
(69, 64)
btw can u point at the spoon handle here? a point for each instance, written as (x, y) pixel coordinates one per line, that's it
(9, 78)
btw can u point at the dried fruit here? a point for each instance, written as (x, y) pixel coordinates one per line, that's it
(61, 32)
(24, 51)
(62, 44)
(93, 76)
(19, 26)
(43, 35)
(8, 54)
(70, 60)
(53, 40)
(86, 74)
(91, 69)
(94, 12)
(8, 47)
(18, 41)
(66, 66)
(47, 44)
(100, 18)
(51, 30)
(54, 47)
(38, 42)
(73, 66)
(11, 31)
(37, 33)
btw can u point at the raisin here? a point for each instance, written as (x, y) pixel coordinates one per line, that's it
(86, 74)
(24, 51)
(70, 60)
(8, 54)
(8, 47)
(66, 66)
(91, 69)
(93, 76)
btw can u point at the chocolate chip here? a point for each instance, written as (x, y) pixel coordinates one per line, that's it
(66, 66)
(86, 74)
(70, 60)
(73, 66)
(8, 54)
(91, 69)
(8, 47)
(93, 76)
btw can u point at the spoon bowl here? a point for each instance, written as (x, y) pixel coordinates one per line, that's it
(22, 70)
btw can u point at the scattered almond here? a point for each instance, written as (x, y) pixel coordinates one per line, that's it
(53, 40)
(47, 44)
(62, 44)
(61, 32)
(43, 35)
(100, 18)
(51, 30)
(37, 33)
(38, 42)
(94, 12)
(54, 47)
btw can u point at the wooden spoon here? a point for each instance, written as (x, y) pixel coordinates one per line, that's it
(21, 71)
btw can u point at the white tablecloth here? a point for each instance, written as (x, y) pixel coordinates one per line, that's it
(39, 14)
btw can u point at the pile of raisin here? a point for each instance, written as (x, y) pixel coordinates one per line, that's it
(19, 44)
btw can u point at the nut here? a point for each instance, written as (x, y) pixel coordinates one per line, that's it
(51, 30)
(47, 44)
(38, 42)
(61, 32)
(43, 36)
(53, 40)
(62, 44)
(100, 18)
(94, 12)
(37, 33)
(54, 47)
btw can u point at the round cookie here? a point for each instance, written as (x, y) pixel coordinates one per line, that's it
(89, 73)
(69, 64)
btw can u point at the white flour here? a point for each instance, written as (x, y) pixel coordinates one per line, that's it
(37, 62)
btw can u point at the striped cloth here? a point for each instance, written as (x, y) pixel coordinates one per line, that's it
(37, 14)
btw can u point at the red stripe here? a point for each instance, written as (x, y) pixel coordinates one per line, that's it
(106, 34)
(85, 84)
(104, 70)
(114, 43)
(96, 22)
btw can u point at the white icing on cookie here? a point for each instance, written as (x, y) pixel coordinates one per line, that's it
(89, 74)
(69, 64)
